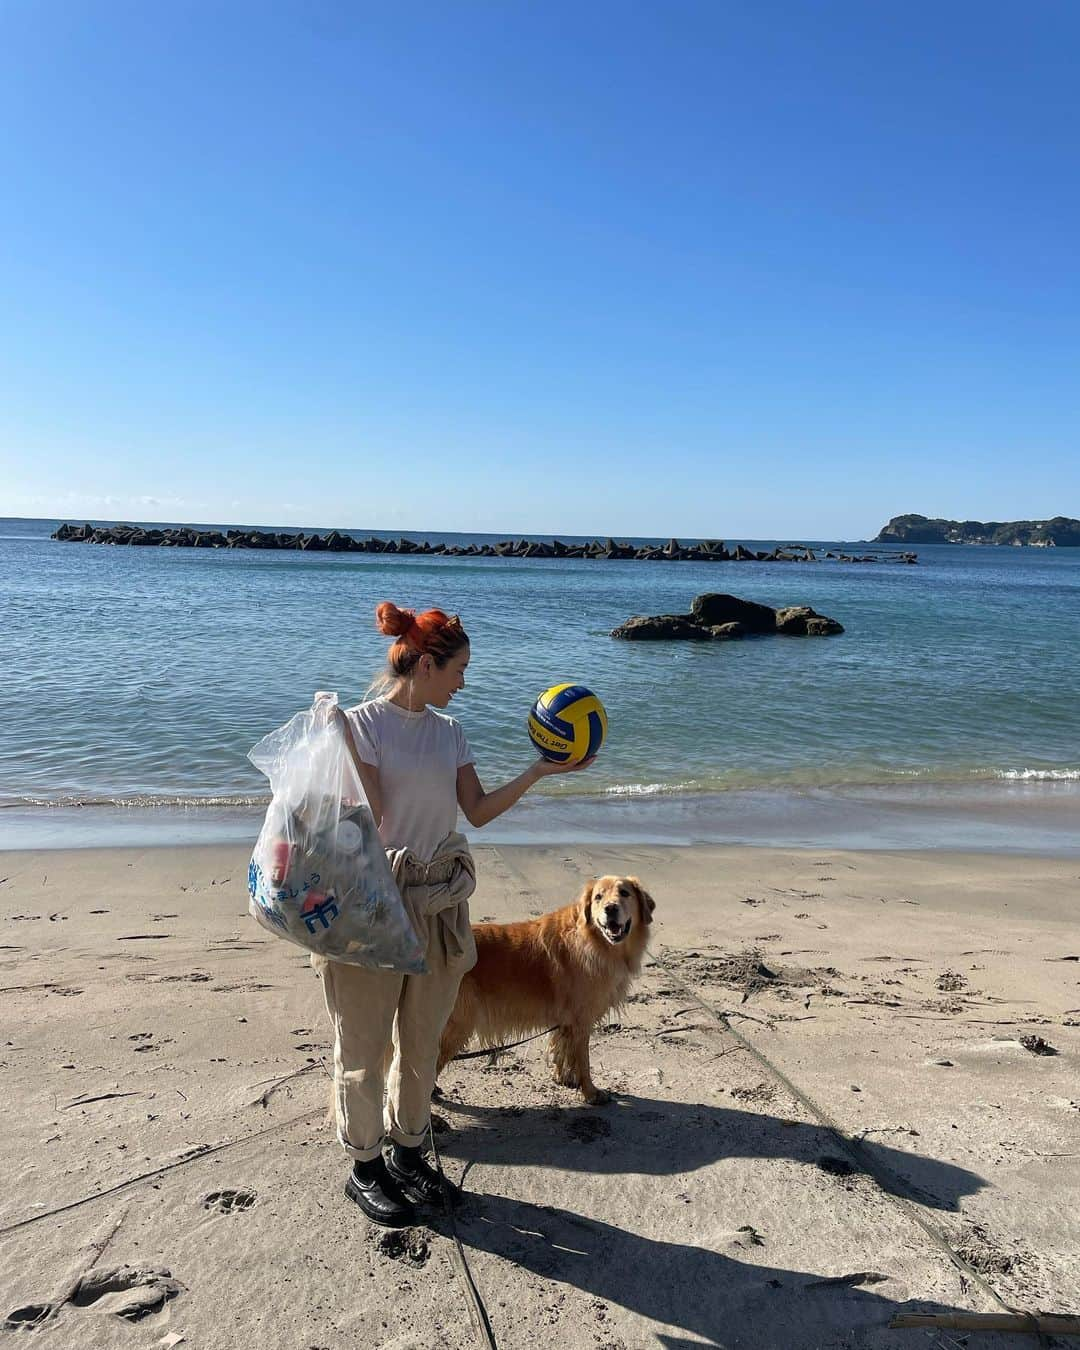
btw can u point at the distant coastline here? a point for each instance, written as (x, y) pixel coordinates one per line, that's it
(1058, 532)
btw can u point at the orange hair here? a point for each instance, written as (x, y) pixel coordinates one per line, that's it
(432, 633)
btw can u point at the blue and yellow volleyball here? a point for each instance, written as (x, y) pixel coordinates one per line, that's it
(567, 723)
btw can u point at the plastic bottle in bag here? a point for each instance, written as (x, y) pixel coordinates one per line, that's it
(318, 874)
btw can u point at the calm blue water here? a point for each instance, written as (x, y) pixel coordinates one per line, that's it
(144, 675)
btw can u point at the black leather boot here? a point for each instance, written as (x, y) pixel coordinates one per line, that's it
(416, 1176)
(377, 1195)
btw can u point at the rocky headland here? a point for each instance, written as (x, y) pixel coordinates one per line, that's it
(721, 618)
(1060, 532)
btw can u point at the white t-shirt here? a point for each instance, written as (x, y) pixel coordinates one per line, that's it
(418, 755)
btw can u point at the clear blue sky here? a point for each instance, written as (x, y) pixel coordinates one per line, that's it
(710, 268)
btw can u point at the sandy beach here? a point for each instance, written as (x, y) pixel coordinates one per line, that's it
(831, 1109)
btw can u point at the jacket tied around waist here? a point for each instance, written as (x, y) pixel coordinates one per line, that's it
(438, 891)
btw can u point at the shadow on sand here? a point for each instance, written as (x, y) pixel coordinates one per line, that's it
(720, 1301)
(645, 1137)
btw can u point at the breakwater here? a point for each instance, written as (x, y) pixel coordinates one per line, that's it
(337, 541)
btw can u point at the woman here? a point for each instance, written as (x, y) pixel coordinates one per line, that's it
(417, 770)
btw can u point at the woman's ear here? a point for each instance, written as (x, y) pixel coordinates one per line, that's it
(648, 904)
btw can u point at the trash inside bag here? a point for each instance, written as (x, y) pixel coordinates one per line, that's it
(319, 874)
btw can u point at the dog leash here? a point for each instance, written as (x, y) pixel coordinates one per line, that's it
(498, 1049)
(477, 1311)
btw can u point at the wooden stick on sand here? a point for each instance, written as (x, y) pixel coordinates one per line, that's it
(1058, 1324)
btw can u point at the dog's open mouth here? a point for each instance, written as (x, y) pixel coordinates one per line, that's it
(614, 932)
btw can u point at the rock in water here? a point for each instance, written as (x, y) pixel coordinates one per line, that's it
(802, 621)
(719, 617)
(715, 608)
(661, 627)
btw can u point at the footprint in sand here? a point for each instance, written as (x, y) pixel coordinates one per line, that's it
(588, 1129)
(27, 1317)
(403, 1244)
(228, 1202)
(127, 1291)
(140, 1292)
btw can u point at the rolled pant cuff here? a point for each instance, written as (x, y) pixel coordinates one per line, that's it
(361, 1154)
(407, 1140)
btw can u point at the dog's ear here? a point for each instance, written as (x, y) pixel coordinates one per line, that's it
(584, 902)
(648, 904)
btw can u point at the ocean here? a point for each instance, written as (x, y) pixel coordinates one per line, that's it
(947, 713)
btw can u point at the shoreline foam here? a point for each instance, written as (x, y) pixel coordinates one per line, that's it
(928, 779)
(1019, 815)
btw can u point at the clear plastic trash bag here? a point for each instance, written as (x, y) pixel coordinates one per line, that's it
(319, 875)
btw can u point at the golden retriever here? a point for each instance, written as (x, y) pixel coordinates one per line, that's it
(564, 970)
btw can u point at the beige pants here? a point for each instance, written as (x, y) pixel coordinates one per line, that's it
(372, 1011)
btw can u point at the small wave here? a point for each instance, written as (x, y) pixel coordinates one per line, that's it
(816, 780)
(135, 802)
(1040, 775)
(821, 779)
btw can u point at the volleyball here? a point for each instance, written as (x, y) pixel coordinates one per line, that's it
(567, 723)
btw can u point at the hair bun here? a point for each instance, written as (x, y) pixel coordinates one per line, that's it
(392, 621)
